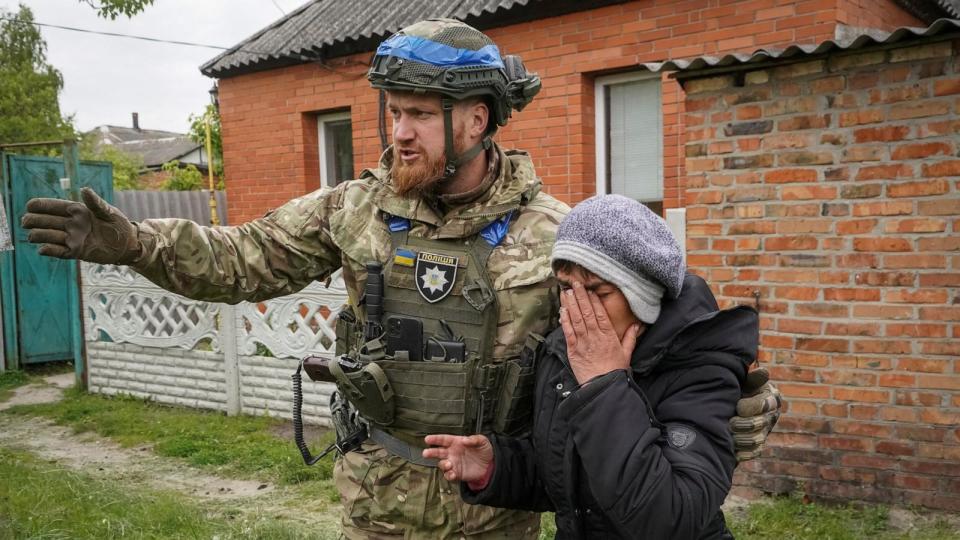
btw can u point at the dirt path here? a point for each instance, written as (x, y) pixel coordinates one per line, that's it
(103, 458)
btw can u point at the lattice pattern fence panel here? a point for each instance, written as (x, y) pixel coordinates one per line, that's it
(259, 343)
(293, 326)
(130, 309)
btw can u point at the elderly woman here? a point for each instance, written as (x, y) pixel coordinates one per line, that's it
(634, 395)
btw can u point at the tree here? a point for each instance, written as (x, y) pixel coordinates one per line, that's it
(111, 9)
(187, 178)
(29, 86)
(198, 134)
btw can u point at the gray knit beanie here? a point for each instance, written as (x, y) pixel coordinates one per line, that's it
(627, 244)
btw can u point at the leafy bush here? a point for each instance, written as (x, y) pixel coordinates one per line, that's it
(187, 178)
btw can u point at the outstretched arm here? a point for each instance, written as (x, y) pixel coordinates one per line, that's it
(265, 258)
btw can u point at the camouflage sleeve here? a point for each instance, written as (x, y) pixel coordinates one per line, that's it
(272, 256)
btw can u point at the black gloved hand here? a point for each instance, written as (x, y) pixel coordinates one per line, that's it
(757, 412)
(91, 231)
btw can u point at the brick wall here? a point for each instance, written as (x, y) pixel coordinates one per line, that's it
(269, 124)
(831, 189)
(867, 14)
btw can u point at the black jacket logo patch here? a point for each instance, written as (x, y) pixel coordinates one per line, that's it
(435, 275)
(680, 437)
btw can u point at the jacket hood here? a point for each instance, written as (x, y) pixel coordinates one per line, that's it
(691, 331)
(515, 185)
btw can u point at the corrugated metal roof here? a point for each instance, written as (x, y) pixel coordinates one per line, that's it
(330, 28)
(938, 28)
(929, 11)
(193, 205)
(156, 152)
(119, 134)
(950, 6)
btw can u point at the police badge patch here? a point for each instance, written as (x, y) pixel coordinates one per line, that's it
(435, 275)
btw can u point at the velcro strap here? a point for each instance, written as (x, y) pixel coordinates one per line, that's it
(533, 342)
(488, 376)
(344, 382)
(400, 448)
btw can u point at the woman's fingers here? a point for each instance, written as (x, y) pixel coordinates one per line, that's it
(435, 453)
(629, 341)
(587, 313)
(600, 312)
(574, 313)
(567, 327)
(441, 439)
(440, 446)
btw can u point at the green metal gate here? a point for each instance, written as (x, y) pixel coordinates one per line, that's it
(41, 295)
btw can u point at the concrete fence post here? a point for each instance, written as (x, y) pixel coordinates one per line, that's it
(231, 360)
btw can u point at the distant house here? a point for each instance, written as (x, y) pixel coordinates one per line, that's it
(155, 147)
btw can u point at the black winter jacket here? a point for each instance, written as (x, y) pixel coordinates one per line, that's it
(646, 455)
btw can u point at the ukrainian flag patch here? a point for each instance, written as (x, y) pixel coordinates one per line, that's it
(404, 257)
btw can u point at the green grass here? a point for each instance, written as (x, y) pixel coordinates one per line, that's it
(236, 446)
(548, 526)
(39, 500)
(248, 447)
(9, 380)
(789, 518)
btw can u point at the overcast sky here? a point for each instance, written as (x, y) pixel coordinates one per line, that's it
(105, 79)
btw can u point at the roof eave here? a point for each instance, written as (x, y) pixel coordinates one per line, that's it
(483, 20)
(705, 66)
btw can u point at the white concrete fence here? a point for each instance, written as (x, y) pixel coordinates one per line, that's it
(147, 342)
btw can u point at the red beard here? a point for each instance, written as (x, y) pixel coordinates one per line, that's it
(426, 173)
(418, 177)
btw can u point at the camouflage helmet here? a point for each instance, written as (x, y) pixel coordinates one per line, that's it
(455, 60)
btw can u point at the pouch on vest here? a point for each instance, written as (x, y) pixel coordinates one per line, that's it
(368, 390)
(515, 403)
(347, 331)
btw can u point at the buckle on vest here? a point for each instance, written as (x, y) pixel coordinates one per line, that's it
(478, 295)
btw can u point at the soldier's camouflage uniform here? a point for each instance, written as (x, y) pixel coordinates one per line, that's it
(310, 237)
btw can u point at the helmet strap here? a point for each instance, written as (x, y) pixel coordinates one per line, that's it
(453, 160)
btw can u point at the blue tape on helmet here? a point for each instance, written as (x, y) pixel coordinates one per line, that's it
(494, 232)
(437, 54)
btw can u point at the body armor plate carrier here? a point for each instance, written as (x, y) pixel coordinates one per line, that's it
(444, 284)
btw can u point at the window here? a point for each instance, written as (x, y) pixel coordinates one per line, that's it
(630, 137)
(336, 148)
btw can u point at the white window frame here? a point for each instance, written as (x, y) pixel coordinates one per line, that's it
(322, 121)
(600, 112)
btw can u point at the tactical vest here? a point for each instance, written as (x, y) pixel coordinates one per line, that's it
(444, 284)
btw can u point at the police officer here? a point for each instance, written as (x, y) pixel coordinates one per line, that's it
(463, 234)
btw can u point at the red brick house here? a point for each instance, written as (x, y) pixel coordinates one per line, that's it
(782, 197)
(823, 184)
(303, 78)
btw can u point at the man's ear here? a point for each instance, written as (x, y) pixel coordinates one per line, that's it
(478, 118)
